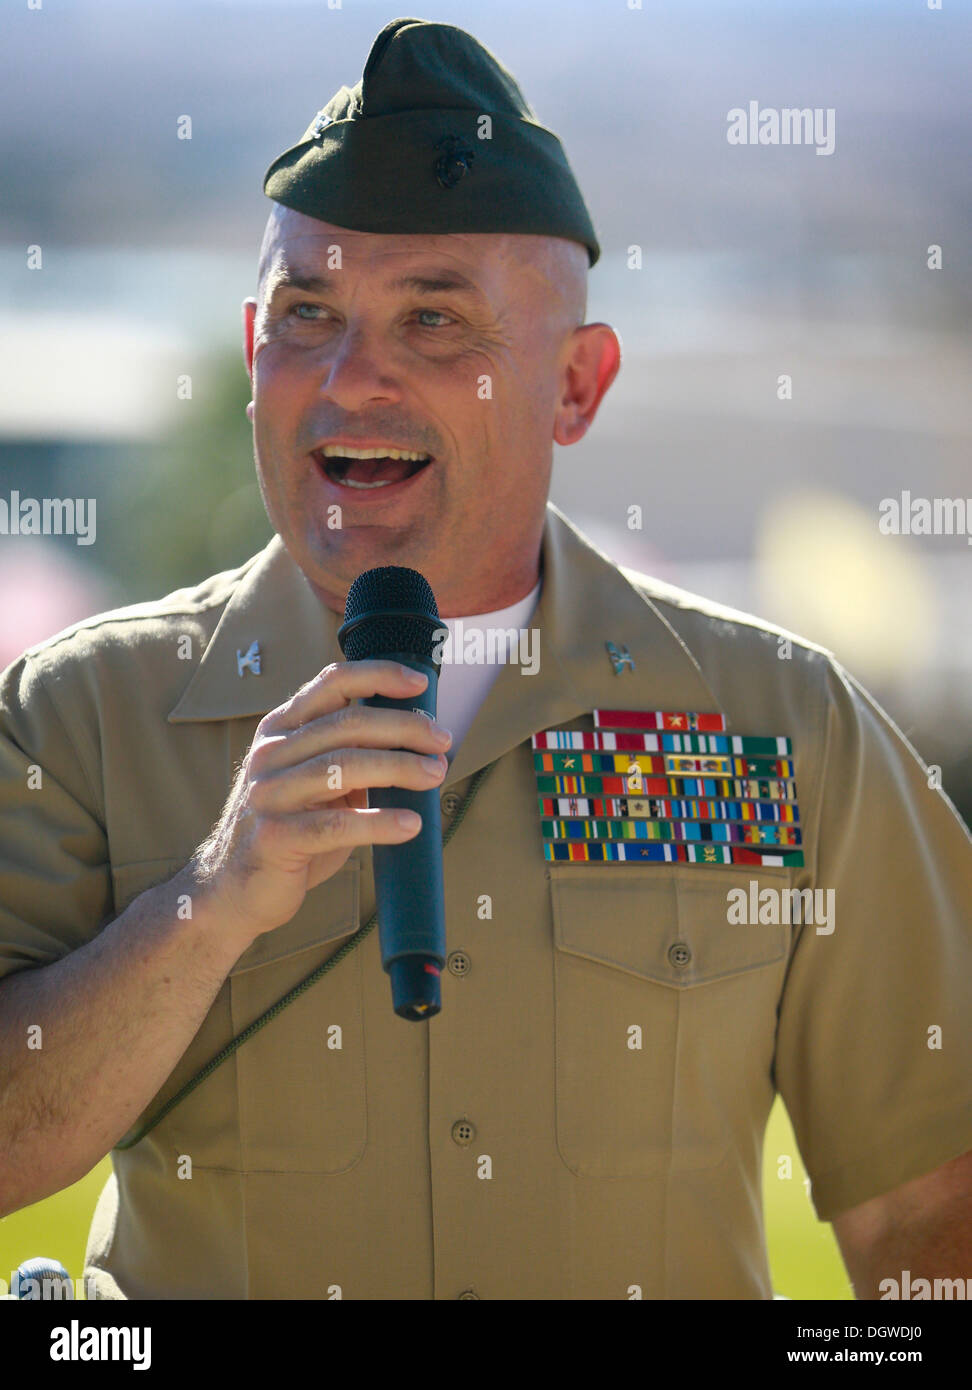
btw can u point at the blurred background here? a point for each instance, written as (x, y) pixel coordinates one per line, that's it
(724, 268)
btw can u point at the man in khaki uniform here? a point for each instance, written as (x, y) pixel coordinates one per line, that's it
(585, 1117)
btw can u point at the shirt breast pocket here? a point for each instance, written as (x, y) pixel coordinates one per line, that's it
(301, 1077)
(665, 1017)
(291, 1098)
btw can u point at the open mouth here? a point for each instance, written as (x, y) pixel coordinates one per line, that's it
(368, 469)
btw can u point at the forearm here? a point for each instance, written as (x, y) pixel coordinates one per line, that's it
(115, 1016)
(939, 1254)
(924, 1227)
(942, 1259)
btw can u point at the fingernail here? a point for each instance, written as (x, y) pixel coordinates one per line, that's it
(414, 676)
(408, 820)
(434, 764)
(441, 735)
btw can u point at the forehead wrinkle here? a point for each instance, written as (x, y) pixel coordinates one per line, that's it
(556, 267)
(435, 282)
(285, 227)
(431, 282)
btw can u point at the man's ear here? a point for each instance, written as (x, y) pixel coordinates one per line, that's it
(593, 361)
(249, 316)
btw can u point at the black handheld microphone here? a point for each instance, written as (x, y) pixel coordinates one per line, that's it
(391, 614)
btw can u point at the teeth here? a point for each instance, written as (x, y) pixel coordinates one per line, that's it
(349, 482)
(335, 451)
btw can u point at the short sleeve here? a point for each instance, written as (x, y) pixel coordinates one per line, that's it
(874, 1035)
(55, 881)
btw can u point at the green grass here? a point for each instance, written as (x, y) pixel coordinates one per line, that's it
(804, 1258)
(56, 1228)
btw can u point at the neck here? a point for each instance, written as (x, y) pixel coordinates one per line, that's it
(462, 599)
(490, 600)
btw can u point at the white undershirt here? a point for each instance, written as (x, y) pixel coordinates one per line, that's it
(463, 686)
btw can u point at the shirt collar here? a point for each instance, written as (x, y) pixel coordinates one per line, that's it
(586, 601)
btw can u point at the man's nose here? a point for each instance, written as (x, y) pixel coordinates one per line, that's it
(358, 371)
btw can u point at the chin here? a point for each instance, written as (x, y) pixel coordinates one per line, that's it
(332, 560)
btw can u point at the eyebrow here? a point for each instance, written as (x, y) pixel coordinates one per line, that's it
(439, 283)
(446, 281)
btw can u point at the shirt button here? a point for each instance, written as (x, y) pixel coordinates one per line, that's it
(679, 954)
(463, 1132)
(469, 1293)
(458, 963)
(451, 802)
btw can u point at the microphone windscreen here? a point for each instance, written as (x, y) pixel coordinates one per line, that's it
(390, 609)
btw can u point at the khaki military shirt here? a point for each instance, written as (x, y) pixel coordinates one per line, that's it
(517, 1145)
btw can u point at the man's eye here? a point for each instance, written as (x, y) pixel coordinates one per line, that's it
(296, 310)
(425, 314)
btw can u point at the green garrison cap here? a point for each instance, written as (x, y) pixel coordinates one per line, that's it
(409, 148)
